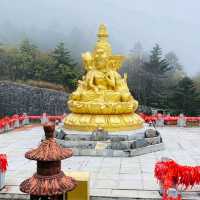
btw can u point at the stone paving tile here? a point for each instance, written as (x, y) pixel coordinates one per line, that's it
(106, 183)
(114, 177)
(101, 192)
(134, 184)
(148, 194)
(130, 171)
(125, 193)
(109, 170)
(129, 177)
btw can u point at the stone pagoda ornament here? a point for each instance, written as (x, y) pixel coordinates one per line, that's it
(102, 98)
(49, 182)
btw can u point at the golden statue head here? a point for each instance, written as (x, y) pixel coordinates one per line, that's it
(88, 61)
(101, 57)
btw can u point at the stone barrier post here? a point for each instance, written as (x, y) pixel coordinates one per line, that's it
(44, 119)
(181, 122)
(160, 121)
(25, 121)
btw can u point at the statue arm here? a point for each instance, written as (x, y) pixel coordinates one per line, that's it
(91, 81)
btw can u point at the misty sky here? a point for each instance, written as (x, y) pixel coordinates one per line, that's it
(174, 24)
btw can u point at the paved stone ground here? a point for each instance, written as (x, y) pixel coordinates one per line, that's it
(118, 177)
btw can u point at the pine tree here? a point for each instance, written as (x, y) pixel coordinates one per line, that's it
(64, 71)
(157, 65)
(155, 75)
(26, 60)
(185, 98)
(62, 55)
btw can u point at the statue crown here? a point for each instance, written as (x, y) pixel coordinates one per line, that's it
(102, 31)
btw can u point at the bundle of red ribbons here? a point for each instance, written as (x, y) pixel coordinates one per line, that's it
(171, 175)
(3, 163)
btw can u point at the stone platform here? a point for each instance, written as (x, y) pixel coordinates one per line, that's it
(111, 144)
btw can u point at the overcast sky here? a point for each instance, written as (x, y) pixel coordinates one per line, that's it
(174, 24)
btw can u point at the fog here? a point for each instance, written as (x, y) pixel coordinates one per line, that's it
(173, 24)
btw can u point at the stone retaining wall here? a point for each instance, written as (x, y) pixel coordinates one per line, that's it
(19, 98)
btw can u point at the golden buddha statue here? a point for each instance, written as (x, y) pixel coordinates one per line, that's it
(102, 98)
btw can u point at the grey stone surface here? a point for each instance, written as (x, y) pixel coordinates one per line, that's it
(18, 98)
(60, 134)
(147, 149)
(153, 140)
(2, 179)
(99, 135)
(121, 145)
(140, 143)
(77, 144)
(122, 135)
(150, 132)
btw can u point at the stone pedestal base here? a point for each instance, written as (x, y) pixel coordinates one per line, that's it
(111, 144)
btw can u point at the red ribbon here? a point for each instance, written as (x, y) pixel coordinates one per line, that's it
(3, 163)
(171, 174)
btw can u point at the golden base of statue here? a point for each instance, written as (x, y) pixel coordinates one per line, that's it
(89, 122)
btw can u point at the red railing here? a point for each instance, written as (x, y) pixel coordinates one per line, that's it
(167, 118)
(16, 121)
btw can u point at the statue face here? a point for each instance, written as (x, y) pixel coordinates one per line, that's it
(87, 60)
(101, 59)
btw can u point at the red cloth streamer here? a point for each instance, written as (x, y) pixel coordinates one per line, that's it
(3, 163)
(171, 174)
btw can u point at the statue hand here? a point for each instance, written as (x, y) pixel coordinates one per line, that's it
(96, 89)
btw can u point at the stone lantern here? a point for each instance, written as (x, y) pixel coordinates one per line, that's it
(49, 182)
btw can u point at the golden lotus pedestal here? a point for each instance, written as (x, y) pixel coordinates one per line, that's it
(89, 122)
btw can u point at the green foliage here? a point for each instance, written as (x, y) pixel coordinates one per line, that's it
(197, 82)
(64, 70)
(185, 98)
(155, 76)
(157, 65)
(62, 55)
(28, 62)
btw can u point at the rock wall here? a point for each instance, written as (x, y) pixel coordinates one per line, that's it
(19, 98)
